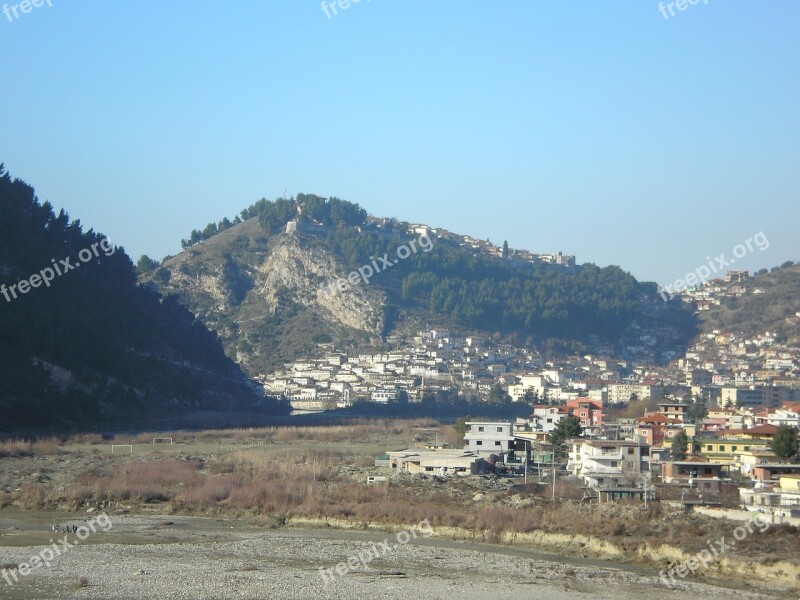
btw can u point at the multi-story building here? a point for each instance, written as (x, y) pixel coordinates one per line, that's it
(589, 411)
(385, 395)
(489, 437)
(623, 392)
(674, 410)
(656, 429)
(608, 463)
(546, 417)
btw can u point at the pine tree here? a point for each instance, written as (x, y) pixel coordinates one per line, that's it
(680, 446)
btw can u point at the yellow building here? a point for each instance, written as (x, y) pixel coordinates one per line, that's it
(728, 451)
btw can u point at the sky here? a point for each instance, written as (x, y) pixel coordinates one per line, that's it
(597, 128)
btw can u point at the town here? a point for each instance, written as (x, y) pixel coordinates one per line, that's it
(699, 429)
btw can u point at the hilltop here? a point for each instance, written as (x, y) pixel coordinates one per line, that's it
(272, 283)
(752, 305)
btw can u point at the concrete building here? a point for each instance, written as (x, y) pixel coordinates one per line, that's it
(437, 462)
(489, 437)
(607, 463)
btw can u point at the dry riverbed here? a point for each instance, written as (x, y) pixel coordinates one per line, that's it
(169, 557)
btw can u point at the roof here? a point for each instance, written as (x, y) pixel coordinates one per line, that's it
(443, 453)
(762, 430)
(621, 443)
(657, 418)
(696, 462)
(729, 440)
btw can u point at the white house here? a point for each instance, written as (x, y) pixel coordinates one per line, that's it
(489, 437)
(607, 463)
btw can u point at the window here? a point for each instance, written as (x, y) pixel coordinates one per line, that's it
(600, 481)
(480, 428)
(429, 468)
(479, 443)
(746, 448)
(721, 448)
(630, 451)
(613, 463)
(709, 447)
(733, 449)
(498, 444)
(499, 430)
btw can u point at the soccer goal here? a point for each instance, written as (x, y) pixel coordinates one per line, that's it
(115, 446)
(162, 440)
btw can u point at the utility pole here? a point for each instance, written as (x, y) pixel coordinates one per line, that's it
(526, 462)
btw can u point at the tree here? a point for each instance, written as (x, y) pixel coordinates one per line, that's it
(697, 411)
(146, 264)
(505, 249)
(531, 396)
(680, 446)
(498, 395)
(210, 231)
(461, 425)
(785, 444)
(567, 428)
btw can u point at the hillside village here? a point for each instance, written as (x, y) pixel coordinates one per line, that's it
(719, 369)
(477, 245)
(728, 395)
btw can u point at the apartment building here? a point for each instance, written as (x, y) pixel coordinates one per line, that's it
(489, 437)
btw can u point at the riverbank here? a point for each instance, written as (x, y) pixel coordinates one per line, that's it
(164, 556)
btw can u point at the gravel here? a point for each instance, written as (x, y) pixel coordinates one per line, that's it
(191, 558)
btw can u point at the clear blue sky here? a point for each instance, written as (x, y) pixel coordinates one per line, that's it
(595, 127)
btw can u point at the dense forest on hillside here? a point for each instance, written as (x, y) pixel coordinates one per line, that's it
(494, 294)
(92, 347)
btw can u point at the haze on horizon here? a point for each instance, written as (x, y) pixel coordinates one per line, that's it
(603, 130)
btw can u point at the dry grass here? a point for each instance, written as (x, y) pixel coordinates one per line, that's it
(293, 481)
(357, 431)
(150, 481)
(38, 447)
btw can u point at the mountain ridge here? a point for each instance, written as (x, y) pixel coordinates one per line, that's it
(91, 347)
(262, 288)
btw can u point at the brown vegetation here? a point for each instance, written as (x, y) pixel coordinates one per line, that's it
(292, 481)
(39, 447)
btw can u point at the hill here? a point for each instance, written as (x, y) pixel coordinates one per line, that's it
(769, 301)
(341, 278)
(81, 344)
